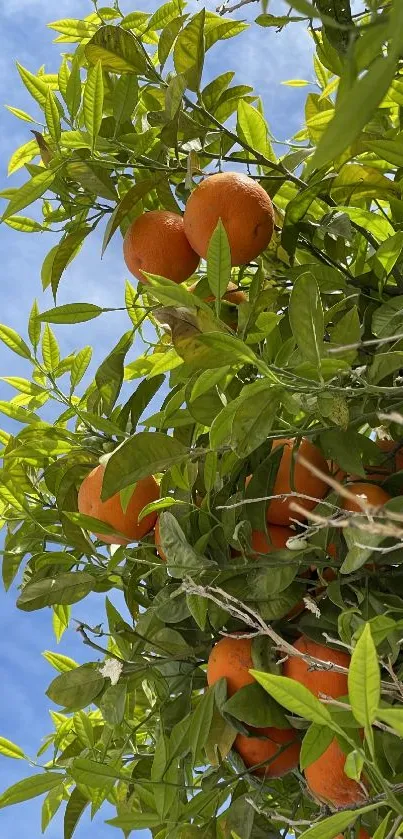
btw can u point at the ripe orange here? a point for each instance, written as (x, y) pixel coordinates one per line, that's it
(363, 834)
(253, 751)
(231, 659)
(278, 511)
(157, 539)
(156, 242)
(111, 511)
(318, 681)
(278, 539)
(244, 208)
(372, 494)
(328, 782)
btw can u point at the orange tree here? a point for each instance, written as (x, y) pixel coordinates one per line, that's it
(292, 388)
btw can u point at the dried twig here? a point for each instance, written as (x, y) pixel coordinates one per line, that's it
(225, 8)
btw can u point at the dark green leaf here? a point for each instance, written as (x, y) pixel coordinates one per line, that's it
(316, 741)
(63, 589)
(74, 810)
(141, 455)
(252, 705)
(77, 688)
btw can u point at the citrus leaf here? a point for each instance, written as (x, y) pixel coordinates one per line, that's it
(30, 788)
(29, 192)
(219, 263)
(364, 680)
(9, 749)
(117, 50)
(295, 697)
(71, 313)
(306, 318)
(63, 589)
(141, 455)
(93, 101)
(76, 688)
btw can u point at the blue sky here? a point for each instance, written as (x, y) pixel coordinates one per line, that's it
(262, 59)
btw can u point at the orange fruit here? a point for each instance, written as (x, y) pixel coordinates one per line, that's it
(278, 539)
(372, 494)
(278, 511)
(328, 782)
(244, 208)
(111, 511)
(363, 834)
(231, 659)
(253, 751)
(318, 681)
(233, 294)
(157, 539)
(156, 242)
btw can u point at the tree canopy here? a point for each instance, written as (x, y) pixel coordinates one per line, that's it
(305, 364)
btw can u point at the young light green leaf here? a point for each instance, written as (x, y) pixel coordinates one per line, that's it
(9, 749)
(200, 722)
(52, 116)
(14, 342)
(117, 50)
(252, 128)
(392, 717)
(354, 111)
(30, 788)
(80, 365)
(93, 101)
(331, 827)
(125, 97)
(50, 349)
(295, 697)
(73, 93)
(29, 192)
(189, 50)
(62, 663)
(24, 154)
(51, 805)
(364, 680)
(60, 620)
(219, 263)
(71, 313)
(306, 318)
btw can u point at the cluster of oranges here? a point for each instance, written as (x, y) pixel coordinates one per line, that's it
(165, 243)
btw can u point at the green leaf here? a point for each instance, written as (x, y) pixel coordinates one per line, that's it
(384, 260)
(125, 96)
(14, 342)
(80, 365)
(200, 723)
(24, 224)
(189, 50)
(51, 805)
(17, 112)
(141, 455)
(52, 117)
(364, 680)
(30, 788)
(354, 111)
(167, 38)
(387, 319)
(383, 365)
(113, 702)
(164, 776)
(67, 249)
(75, 689)
(354, 765)
(219, 263)
(35, 85)
(295, 697)
(252, 128)
(74, 810)
(316, 741)
(392, 717)
(60, 620)
(331, 827)
(135, 821)
(34, 326)
(62, 663)
(173, 95)
(182, 558)
(71, 313)
(109, 376)
(64, 589)
(9, 749)
(253, 706)
(306, 318)
(24, 154)
(126, 205)
(198, 608)
(74, 89)
(29, 192)
(92, 774)
(142, 397)
(50, 349)
(117, 50)
(93, 101)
